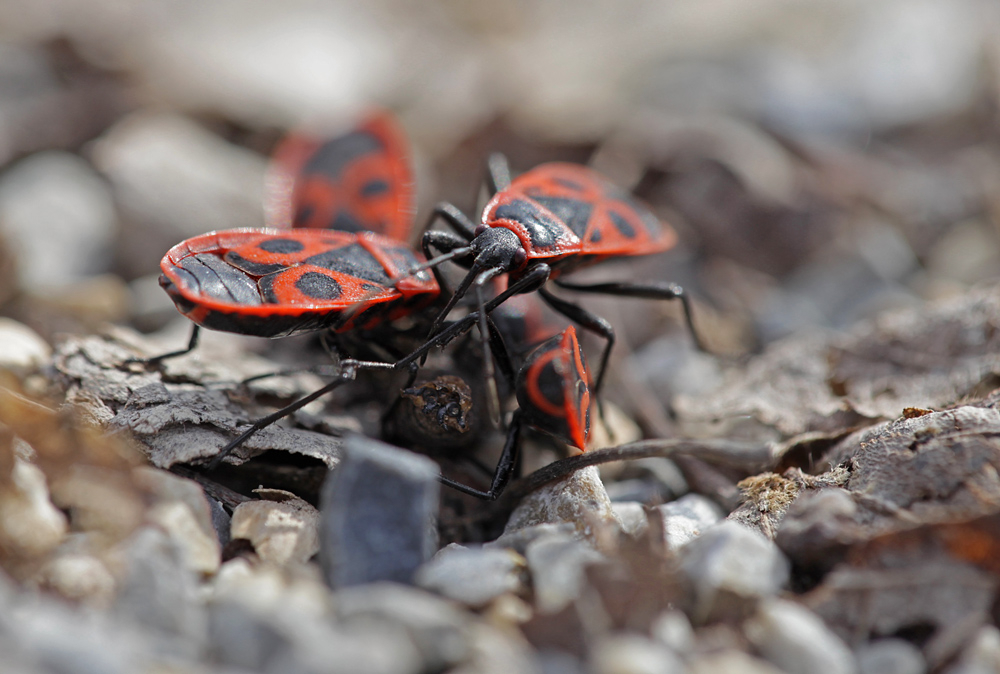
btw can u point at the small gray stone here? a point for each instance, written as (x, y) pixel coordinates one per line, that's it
(731, 662)
(174, 179)
(552, 661)
(557, 564)
(632, 516)
(58, 213)
(282, 527)
(673, 628)
(982, 655)
(797, 640)
(378, 514)
(30, 525)
(437, 628)
(520, 539)
(497, 651)
(181, 511)
(22, 350)
(633, 654)
(57, 638)
(77, 576)
(159, 592)
(473, 576)
(730, 567)
(652, 481)
(579, 499)
(242, 638)
(686, 518)
(890, 656)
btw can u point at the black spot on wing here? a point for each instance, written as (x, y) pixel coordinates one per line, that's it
(251, 267)
(303, 215)
(353, 260)
(575, 213)
(649, 221)
(211, 277)
(595, 236)
(281, 246)
(374, 188)
(318, 286)
(542, 230)
(345, 222)
(550, 384)
(332, 157)
(621, 224)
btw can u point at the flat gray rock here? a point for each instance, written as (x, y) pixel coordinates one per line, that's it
(378, 517)
(730, 567)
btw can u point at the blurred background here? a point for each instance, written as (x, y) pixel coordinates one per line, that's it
(822, 160)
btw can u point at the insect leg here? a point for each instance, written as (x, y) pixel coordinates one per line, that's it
(454, 218)
(654, 291)
(590, 321)
(489, 373)
(349, 369)
(497, 173)
(504, 469)
(156, 360)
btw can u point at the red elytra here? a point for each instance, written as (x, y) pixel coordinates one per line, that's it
(272, 283)
(552, 389)
(569, 216)
(357, 181)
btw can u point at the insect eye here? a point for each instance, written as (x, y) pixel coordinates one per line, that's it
(520, 257)
(480, 229)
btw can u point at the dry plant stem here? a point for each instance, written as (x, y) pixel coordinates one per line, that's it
(744, 455)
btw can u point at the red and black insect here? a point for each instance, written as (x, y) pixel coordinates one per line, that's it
(358, 181)
(271, 283)
(545, 223)
(553, 396)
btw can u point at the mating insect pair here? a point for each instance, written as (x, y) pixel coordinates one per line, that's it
(547, 222)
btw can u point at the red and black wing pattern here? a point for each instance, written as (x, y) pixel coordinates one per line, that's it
(274, 283)
(552, 389)
(358, 181)
(568, 210)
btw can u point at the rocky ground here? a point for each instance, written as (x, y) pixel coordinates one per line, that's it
(821, 492)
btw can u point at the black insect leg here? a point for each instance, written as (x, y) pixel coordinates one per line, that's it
(445, 242)
(589, 321)
(489, 372)
(502, 355)
(653, 291)
(533, 280)
(454, 218)
(595, 324)
(497, 173)
(504, 469)
(349, 370)
(156, 360)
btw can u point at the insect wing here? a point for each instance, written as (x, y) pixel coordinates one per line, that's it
(358, 181)
(274, 283)
(595, 216)
(552, 389)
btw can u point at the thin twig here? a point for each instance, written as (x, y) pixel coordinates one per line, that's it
(745, 455)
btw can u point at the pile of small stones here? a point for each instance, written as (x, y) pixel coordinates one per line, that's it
(860, 545)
